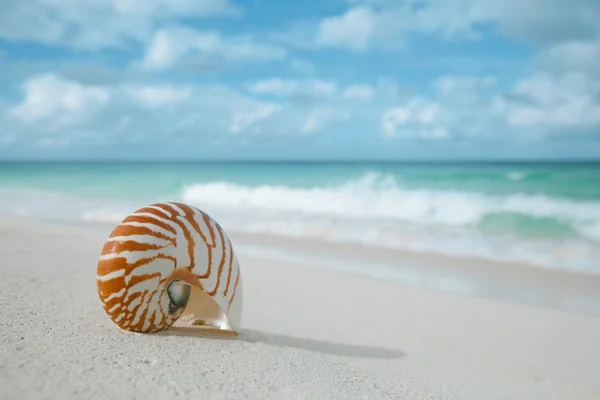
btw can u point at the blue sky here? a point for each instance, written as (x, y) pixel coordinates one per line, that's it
(266, 79)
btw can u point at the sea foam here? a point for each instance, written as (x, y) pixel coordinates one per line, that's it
(379, 197)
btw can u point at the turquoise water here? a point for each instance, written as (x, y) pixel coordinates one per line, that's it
(547, 214)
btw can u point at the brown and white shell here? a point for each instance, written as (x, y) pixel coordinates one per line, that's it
(170, 261)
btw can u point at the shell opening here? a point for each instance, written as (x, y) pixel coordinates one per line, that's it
(203, 312)
(179, 294)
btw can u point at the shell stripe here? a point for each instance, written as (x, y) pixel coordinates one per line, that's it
(152, 219)
(186, 233)
(220, 270)
(124, 231)
(230, 268)
(237, 281)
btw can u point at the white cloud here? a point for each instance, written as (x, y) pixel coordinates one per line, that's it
(563, 93)
(381, 23)
(170, 45)
(97, 24)
(59, 102)
(163, 51)
(537, 21)
(574, 55)
(58, 112)
(427, 113)
(416, 116)
(460, 107)
(185, 8)
(315, 105)
(246, 119)
(455, 86)
(288, 87)
(320, 118)
(326, 108)
(570, 101)
(275, 86)
(158, 96)
(359, 92)
(352, 29)
(394, 118)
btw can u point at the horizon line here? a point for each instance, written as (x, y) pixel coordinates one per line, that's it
(301, 161)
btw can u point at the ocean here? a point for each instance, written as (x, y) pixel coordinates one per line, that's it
(547, 214)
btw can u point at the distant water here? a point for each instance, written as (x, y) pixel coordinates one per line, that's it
(547, 214)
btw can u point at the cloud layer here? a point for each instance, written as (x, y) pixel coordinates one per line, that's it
(108, 73)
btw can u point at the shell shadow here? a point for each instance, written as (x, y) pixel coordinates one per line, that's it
(320, 346)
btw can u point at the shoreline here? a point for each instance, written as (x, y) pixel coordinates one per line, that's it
(565, 290)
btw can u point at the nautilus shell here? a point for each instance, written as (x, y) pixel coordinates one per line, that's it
(170, 264)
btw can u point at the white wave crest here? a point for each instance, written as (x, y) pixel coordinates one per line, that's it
(376, 196)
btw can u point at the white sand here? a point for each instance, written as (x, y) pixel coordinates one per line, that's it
(309, 333)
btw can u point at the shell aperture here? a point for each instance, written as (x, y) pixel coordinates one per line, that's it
(154, 260)
(179, 293)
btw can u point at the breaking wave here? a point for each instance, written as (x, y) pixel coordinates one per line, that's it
(378, 197)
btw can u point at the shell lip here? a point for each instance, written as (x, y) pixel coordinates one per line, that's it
(203, 313)
(200, 310)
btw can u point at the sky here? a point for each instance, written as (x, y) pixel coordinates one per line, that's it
(313, 79)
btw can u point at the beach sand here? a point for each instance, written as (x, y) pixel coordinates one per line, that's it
(309, 332)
